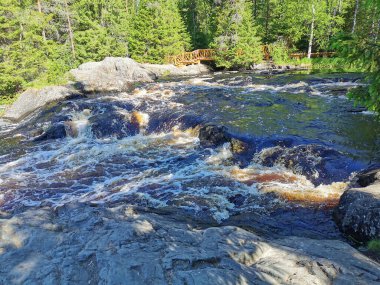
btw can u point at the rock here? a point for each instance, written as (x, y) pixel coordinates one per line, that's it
(318, 163)
(162, 70)
(112, 124)
(238, 146)
(368, 176)
(164, 251)
(56, 131)
(358, 212)
(113, 74)
(213, 136)
(167, 121)
(33, 99)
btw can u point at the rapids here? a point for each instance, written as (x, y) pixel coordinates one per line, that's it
(142, 148)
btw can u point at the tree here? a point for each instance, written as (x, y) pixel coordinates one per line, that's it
(235, 39)
(199, 17)
(101, 29)
(158, 31)
(26, 54)
(362, 48)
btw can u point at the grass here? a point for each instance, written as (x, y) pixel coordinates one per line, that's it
(334, 64)
(374, 245)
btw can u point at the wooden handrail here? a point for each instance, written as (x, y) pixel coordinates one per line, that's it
(199, 55)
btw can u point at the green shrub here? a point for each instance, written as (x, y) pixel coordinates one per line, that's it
(279, 52)
(374, 245)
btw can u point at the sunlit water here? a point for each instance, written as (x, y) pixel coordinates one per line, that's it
(155, 158)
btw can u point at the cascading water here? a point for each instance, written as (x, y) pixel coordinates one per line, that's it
(143, 148)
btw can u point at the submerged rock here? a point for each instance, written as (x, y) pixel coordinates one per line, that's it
(55, 131)
(213, 136)
(318, 163)
(238, 146)
(89, 245)
(112, 124)
(358, 212)
(113, 74)
(33, 99)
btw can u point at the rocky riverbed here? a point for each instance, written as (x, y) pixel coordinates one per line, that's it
(80, 244)
(223, 178)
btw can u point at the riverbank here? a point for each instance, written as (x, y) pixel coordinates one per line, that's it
(163, 71)
(92, 245)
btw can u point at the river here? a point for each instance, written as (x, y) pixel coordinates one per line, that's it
(142, 148)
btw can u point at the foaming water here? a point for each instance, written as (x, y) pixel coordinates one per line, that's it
(143, 148)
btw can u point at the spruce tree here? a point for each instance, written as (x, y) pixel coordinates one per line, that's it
(26, 54)
(235, 39)
(101, 29)
(158, 31)
(199, 17)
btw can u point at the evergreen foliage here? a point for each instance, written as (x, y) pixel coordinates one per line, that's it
(363, 49)
(235, 38)
(158, 31)
(40, 40)
(199, 16)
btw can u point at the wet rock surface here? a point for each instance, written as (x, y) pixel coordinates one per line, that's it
(112, 124)
(318, 163)
(358, 212)
(121, 245)
(213, 136)
(56, 131)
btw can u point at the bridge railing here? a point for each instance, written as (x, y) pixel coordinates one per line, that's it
(199, 55)
(192, 57)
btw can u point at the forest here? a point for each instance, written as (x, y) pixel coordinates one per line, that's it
(40, 40)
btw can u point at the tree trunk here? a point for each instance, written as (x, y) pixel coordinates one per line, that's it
(355, 16)
(21, 32)
(40, 11)
(374, 24)
(311, 32)
(126, 6)
(267, 20)
(71, 36)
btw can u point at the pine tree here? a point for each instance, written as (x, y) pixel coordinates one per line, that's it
(199, 17)
(26, 54)
(235, 39)
(158, 31)
(101, 29)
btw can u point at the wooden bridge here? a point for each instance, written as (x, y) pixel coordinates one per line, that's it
(195, 57)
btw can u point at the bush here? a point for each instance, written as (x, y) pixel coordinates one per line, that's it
(374, 245)
(279, 52)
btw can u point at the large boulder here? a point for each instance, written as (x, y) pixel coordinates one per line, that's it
(318, 163)
(33, 99)
(358, 212)
(161, 70)
(113, 74)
